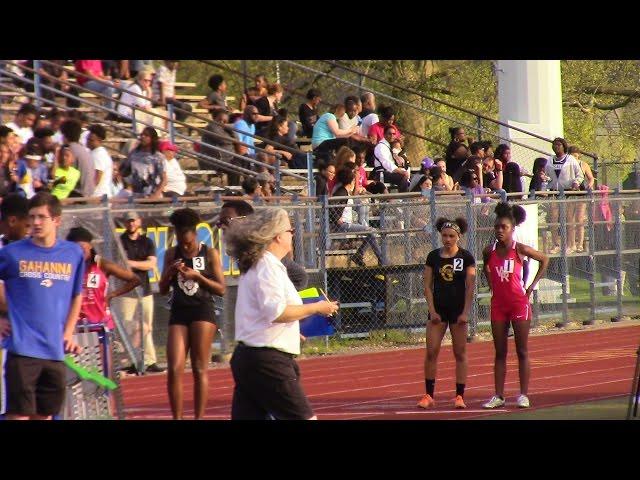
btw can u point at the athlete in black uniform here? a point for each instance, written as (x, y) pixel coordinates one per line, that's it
(449, 279)
(194, 272)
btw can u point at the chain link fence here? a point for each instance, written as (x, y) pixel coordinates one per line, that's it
(374, 266)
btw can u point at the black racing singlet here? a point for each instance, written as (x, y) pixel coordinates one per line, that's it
(189, 298)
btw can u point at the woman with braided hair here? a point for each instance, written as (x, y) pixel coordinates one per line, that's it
(503, 268)
(449, 280)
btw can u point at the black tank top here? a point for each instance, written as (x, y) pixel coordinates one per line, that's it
(189, 293)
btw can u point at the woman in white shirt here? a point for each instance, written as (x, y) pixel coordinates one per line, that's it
(132, 97)
(566, 174)
(268, 310)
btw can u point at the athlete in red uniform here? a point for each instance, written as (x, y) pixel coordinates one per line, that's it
(503, 268)
(95, 286)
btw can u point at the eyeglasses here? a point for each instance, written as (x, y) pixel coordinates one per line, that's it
(227, 221)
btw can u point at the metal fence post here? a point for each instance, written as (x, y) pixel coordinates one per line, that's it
(433, 217)
(37, 80)
(298, 237)
(591, 261)
(471, 246)
(618, 233)
(563, 258)
(311, 191)
(172, 126)
(133, 120)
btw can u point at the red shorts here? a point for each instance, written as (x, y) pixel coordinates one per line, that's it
(512, 311)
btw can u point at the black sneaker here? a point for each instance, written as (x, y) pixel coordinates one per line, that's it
(130, 370)
(155, 368)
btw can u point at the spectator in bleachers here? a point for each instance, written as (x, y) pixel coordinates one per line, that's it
(448, 180)
(488, 149)
(362, 179)
(251, 188)
(102, 162)
(458, 135)
(23, 122)
(387, 119)
(326, 173)
(218, 134)
(327, 135)
(45, 136)
(540, 180)
(278, 133)
(566, 174)
(176, 179)
(350, 118)
(136, 99)
(84, 123)
(32, 174)
(246, 124)
(477, 149)
(216, 100)
(6, 180)
(473, 164)
(385, 163)
(308, 112)
(368, 113)
(342, 219)
(512, 183)
(292, 132)
(399, 155)
(71, 131)
(492, 176)
(65, 175)
(470, 180)
(116, 179)
(164, 89)
(52, 74)
(252, 94)
(438, 178)
(268, 108)
(56, 119)
(97, 81)
(145, 166)
(343, 156)
(455, 156)
(267, 183)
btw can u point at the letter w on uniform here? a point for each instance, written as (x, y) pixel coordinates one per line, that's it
(503, 273)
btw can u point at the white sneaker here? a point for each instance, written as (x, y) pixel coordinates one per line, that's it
(495, 402)
(523, 401)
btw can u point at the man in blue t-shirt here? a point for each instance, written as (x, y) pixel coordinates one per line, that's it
(43, 283)
(246, 124)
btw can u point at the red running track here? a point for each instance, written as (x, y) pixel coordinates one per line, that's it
(566, 368)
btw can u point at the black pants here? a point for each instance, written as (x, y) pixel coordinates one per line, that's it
(267, 384)
(323, 151)
(397, 180)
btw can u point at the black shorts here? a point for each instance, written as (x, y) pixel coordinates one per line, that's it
(449, 315)
(267, 384)
(34, 386)
(186, 315)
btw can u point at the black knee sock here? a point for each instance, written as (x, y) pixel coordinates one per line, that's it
(460, 389)
(430, 386)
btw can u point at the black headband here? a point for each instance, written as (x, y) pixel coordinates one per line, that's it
(453, 226)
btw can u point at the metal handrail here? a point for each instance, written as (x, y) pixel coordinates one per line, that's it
(445, 103)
